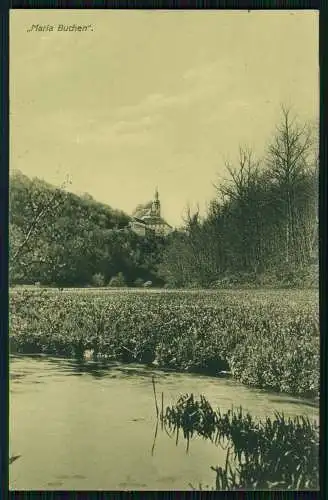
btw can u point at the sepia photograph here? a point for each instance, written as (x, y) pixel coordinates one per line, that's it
(163, 250)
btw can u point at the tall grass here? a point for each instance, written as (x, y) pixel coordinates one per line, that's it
(268, 340)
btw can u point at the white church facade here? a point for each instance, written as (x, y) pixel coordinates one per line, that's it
(148, 219)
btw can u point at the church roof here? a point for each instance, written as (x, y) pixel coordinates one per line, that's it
(142, 209)
(149, 213)
(152, 219)
(137, 219)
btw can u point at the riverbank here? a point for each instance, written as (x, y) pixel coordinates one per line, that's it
(269, 339)
(95, 425)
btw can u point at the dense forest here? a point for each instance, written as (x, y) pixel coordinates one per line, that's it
(261, 228)
(76, 241)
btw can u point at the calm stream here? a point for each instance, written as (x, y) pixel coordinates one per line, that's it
(92, 427)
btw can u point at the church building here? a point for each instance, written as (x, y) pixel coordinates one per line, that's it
(148, 218)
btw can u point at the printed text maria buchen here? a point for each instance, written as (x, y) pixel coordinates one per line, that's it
(60, 27)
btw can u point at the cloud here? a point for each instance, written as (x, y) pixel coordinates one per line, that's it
(135, 124)
(135, 131)
(153, 108)
(198, 83)
(202, 73)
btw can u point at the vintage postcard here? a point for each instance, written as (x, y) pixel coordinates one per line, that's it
(164, 297)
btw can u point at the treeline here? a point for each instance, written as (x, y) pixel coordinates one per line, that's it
(262, 228)
(59, 238)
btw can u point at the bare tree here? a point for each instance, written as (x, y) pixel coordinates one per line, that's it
(42, 209)
(289, 158)
(242, 177)
(241, 193)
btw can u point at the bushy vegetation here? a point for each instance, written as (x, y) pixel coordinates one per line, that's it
(261, 229)
(276, 454)
(59, 238)
(117, 281)
(268, 340)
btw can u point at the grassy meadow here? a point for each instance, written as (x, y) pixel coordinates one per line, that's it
(264, 338)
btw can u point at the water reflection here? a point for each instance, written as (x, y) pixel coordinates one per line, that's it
(92, 424)
(299, 401)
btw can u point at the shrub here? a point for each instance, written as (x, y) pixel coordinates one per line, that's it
(98, 279)
(117, 281)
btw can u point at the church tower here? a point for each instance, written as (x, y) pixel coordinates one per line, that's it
(148, 218)
(156, 207)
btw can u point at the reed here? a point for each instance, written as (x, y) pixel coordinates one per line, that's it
(162, 410)
(277, 454)
(155, 397)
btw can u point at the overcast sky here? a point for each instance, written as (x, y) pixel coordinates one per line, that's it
(154, 98)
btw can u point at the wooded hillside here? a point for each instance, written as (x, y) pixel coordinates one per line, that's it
(76, 241)
(261, 228)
